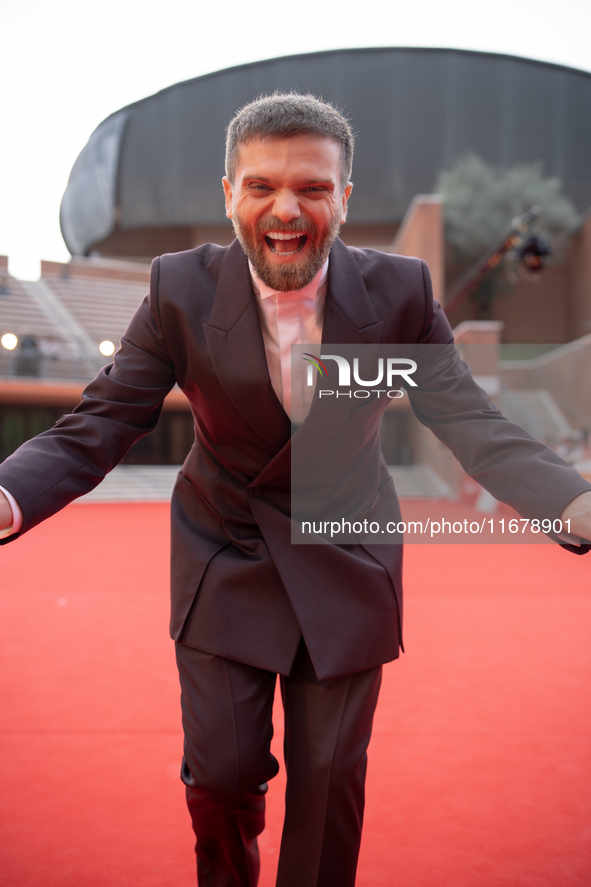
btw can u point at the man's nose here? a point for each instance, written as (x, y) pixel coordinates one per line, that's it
(286, 206)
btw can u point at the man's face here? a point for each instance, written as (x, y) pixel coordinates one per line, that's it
(286, 205)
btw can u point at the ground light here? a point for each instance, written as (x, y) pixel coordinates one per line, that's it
(106, 348)
(9, 341)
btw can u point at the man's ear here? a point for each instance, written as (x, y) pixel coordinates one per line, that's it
(228, 192)
(345, 199)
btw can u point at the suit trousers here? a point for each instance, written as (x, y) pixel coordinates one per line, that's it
(227, 721)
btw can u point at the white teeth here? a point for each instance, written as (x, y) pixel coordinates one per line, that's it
(284, 235)
(292, 253)
(276, 235)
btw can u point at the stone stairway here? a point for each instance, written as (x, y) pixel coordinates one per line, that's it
(419, 482)
(154, 483)
(536, 411)
(135, 483)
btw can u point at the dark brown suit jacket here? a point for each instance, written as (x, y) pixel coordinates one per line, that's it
(240, 589)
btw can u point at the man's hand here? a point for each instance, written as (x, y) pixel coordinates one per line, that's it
(5, 512)
(579, 513)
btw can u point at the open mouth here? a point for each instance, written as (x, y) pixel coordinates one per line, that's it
(284, 243)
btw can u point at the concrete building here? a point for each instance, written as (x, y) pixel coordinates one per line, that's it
(149, 179)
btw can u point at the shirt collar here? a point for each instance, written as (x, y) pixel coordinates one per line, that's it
(306, 292)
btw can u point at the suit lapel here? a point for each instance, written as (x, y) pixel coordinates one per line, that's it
(237, 351)
(349, 319)
(349, 316)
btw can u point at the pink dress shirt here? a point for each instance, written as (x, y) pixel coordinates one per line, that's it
(17, 516)
(291, 318)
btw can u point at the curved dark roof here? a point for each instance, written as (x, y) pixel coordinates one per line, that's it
(159, 161)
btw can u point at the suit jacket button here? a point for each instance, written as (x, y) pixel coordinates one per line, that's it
(255, 491)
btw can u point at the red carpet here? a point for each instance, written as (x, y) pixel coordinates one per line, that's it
(480, 766)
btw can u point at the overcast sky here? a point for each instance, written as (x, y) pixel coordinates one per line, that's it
(65, 65)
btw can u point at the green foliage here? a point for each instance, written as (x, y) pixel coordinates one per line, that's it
(481, 201)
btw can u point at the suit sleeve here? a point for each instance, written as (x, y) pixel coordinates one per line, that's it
(119, 406)
(506, 460)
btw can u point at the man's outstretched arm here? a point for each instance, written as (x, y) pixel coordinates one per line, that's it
(120, 405)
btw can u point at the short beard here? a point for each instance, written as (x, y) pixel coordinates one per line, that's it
(292, 276)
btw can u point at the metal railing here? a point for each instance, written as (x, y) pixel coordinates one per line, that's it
(81, 368)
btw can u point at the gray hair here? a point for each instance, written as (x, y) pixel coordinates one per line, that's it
(288, 114)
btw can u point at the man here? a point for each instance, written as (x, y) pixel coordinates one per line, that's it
(246, 604)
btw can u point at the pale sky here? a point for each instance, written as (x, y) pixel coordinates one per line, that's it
(65, 65)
